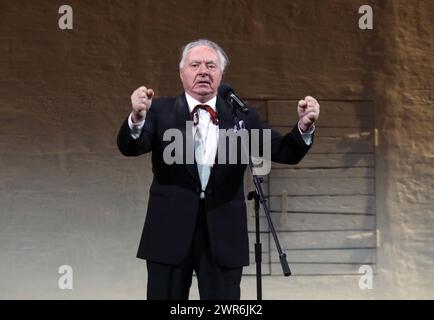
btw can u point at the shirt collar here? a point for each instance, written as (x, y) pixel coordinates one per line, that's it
(192, 102)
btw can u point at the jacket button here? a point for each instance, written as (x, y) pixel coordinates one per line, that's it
(198, 190)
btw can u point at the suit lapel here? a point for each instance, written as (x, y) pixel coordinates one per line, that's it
(182, 116)
(224, 114)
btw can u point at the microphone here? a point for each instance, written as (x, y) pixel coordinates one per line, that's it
(227, 92)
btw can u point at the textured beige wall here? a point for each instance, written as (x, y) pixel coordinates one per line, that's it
(68, 197)
(404, 89)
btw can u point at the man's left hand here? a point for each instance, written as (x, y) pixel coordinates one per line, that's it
(308, 113)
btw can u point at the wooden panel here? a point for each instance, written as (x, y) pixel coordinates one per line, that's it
(320, 269)
(319, 222)
(358, 108)
(314, 222)
(295, 219)
(330, 107)
(322, 173)
(343, 145)
(330, 132)
(322, 186)
(333, 114)
(328, 222)
(332, 161)
(327, 240)
(359, 256)
(325, 120)
(339, 204)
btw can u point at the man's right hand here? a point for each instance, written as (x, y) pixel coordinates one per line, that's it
(141, 101)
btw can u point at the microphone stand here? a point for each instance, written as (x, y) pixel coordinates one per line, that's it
(258, 196)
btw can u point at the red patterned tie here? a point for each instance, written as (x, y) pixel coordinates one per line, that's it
(212, 113)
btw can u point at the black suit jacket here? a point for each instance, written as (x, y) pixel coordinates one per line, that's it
(175, 190)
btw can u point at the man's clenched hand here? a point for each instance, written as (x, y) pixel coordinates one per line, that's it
(141, 101)
(308, 113)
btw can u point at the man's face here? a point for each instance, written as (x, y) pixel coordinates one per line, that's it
(201, 73)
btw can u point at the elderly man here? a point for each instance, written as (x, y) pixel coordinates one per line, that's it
(196, 218)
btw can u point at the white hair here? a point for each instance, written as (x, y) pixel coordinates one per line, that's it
(224, 61)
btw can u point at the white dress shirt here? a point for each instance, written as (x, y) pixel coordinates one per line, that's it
(205, 135)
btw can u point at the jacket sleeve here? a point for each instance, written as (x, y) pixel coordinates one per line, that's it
(131, 147)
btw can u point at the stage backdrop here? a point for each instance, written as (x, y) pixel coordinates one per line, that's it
(72, 208)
